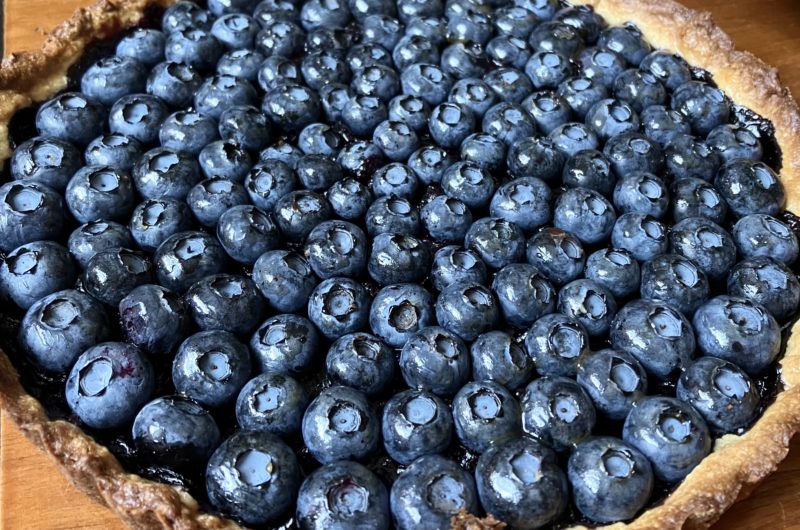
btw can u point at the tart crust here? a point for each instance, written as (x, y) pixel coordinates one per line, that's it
(729, 473)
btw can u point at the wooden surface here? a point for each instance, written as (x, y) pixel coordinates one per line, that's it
(33, 495)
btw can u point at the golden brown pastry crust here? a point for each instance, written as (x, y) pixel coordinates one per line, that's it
(731, 472)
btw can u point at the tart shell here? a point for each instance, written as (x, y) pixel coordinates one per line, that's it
(729, 473)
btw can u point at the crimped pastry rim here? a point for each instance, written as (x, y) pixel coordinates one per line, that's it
(731, 472)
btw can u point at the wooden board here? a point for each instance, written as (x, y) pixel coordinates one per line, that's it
(34, 496)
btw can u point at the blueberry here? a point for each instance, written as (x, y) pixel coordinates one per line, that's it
(321, 139)
(610, 117)
(556, 343)
(144, 45)
(283, 151)
(449, 124)
(629, 152)
(590, 303)
(641, 89)
(363, 113)
(616, 269)
(284, 344)
(508, 122)
(366, 54)
(675, 280)
(685, 156)
(153, 221)
(496, 357)
(537, 157)
(225, 302)
(271, 402)
(392, 215)
(187, 257)
(329, 39)
(416, 56)
(46, 160)
(318, 172)
(267, 182)
(467, 309)
(464, 60)
(548, 69)
(235, 30)
(572, 137)
(484, 150)
(515, 21)
(602, 64)
(523, 294)
(670, 433)
(485, 413)
(163, 172)
(339, 306)
(510, 84)
(656, 334)
(317, 14)
(396, 139)
(411, 110)
(153, 318)
(581, 94)
(105, 81)
(548, 110)
(734, 141)
(59, 327)
(416, 423)
(89, 239)
(614, 380)
(280, 37)
(111, 274)
(584, 213)
(225, 7)
(469, 183)
(110, 149)
(35, 270)
(211, 367)
(557, 411)
(298, 212)
(452, 264)
(175, 83)
(394, 180)
(245, 126)
(589, 169)
(277, 70)
(184, 14)
(703, 105)
(360, 158)
(672, 70)
(222, 92)
(361, 361)
(520, 482)
(99, 192)
(209, 199)
(382, 29)
(108, 384)
(644, 236)
(585, 21)
(611, 480)
(399, 311)
(246, 232)
(544, 9)
(329, 66)
(291, 107)
(694, 197)
(706, 243)
(470, 26)
(254, 476)
(243, 63)
(497, 241)
(138, 116)
(767, 282)
(336, 248)
(343, 495)
(557, 254)
(436, 360)
(175, 431)
(475, 95)
(193, 46)
(349, 198)
(664, 125)
(555, 36)
(750, 187)
(268, 11)
(446, 219)
(642, 193)
(398, 258)
(627, 41)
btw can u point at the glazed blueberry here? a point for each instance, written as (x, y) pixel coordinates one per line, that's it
(340, 424)
(89, 239)
(629, 152)
(581, 94)
(163, 172)
(672, 70)
(557, 254)
(381, 28)
(544, 9)
(644, 236)
(175, 431)
(361, 361)
(254, 476)
(416, 423)
(602, 64)
(738, 330)
(175, 83)
(656, 334)
(291, 107)
(339, 306)
(520, 482)
(611, 117)
(703, 106)
(144, 45)
(670, 433)
(767, 282)
(187, 257)
(392, 215)
(510, 84)
(639, 88)
(497, 241)
(416, 57)
(394, 180)
(642, 193)
(467, 309)
(246, 232)
(59, 327)
(329, 66)
(99, 192)
(398, 258)
(536, 157)
(267, 182)
(35, 270)
(242, 63)
(610, 479)
(469, 183)
(721, 392)
(245, 126)
(706, 243)
(105, 81)
(321, 139)
(584, 20)
(269, 11)
(436, 360)
(556, 343)
(555, 36)
(584, 213)
(616, 269)
(111, 149)
(625, 40)
(46, 160)
(298, 212)
(363, 113)
(280, 38)
(453, 264)
(329, 39)
(470, 26)
(235, 30)
(399, 311)
(496, 357)
(663, 125)
(317, 14)
(589, 169)
(154, 220)
(225, 302)
(694, 197)
(473, 94)
(153, 318)
(360, 159)
(271, 402)
(547, 109)
(548, 69)
(572, 137)
(396, 139)
(686, 156)
(184, 14)
(336, 248)
(209, 199)
(318, 172)
(614, 380)
(411, 110)
(284, 344)
(484, 150)
(376, 80)
(675, 280)
(224, 7)
(485, 413)
(734, 141)
(449, 124)
(508, 122)
(222, 92)
(446, 219)
(750, 187)
(108, 384)
(138, 116)
(343, 495)
(557, 411)
(282, 151)
(515, 21)
(523, 293)
(365, 54)
(349, 198)
(589, 303)
(111, 274)
(193, 47)
(465, 60)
